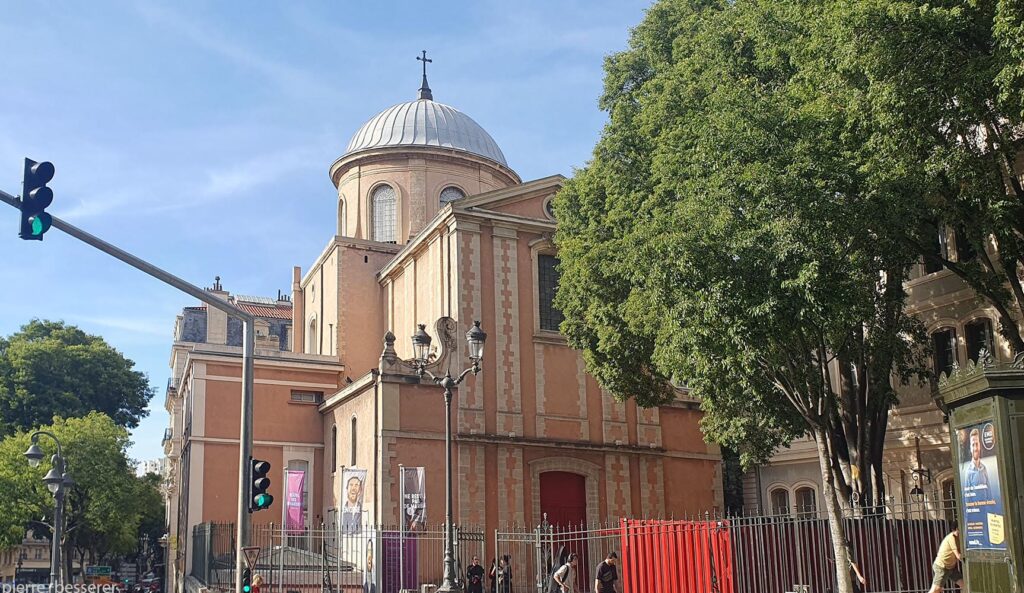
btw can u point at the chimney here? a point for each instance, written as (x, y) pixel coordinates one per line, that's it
(298, 311)
(216, 320)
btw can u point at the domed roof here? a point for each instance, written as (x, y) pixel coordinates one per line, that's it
(425, 123)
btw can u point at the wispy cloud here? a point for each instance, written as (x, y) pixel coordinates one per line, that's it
(285, 76)
(140, 325)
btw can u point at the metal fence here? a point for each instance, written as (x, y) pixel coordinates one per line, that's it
(893, 545)
(379, 558)
(533, 554)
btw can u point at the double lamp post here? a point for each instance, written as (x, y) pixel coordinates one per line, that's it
(475, 338)
(57, 481)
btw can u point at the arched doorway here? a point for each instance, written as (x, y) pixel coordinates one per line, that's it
(563, 500)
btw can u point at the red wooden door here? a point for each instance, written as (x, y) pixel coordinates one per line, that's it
(563, 496)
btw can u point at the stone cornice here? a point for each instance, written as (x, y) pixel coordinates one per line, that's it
(390, 153)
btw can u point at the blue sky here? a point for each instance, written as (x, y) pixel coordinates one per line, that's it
(197, 135)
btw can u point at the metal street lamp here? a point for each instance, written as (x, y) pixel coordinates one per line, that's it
(57, 482)
(475, 338)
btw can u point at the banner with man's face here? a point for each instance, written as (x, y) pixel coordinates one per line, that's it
(352, 486)
(414, 503)
(980, 488)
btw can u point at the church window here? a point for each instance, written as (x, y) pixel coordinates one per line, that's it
(451, 193)
(307, 397)
(549, 208)
(312, 337)
(547, 278)
(342, 214)
(944, 348)
(334, 448)
(384, 201)
(352, 461)
(978, 334)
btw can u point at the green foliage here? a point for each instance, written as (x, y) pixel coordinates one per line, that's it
(107, 503)
(49, 368)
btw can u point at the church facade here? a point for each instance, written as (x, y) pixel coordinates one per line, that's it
(432, 224)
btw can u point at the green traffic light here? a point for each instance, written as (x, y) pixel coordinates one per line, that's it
(263, 501)
(40, 223)
(246, 588)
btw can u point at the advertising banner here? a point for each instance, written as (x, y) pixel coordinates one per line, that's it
(294, 483)
(982, 495)
(352, 487)
(414, 494)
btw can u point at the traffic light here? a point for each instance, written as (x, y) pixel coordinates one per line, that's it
(34, 200)
(246, 580)
(258, 486)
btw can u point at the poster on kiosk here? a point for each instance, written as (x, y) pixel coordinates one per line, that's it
(982, 494)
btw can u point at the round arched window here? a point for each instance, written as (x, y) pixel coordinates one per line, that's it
(384, 200)
(451, 193)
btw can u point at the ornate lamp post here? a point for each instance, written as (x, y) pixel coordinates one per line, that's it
(475, 338)
(56, 480)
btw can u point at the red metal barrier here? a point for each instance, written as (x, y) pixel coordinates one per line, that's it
(676, 557)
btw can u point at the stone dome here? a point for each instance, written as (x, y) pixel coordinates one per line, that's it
(424, 122)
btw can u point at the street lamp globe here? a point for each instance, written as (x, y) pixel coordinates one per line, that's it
(421, 344)
(53, 480)
(34, 455)
(476, 338)
(916, 494)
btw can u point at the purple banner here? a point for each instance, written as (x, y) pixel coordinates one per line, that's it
(293, 501)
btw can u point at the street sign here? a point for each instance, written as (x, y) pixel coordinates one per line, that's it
(252, 556)
(97, 571)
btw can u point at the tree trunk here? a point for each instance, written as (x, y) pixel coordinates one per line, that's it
(835, 520)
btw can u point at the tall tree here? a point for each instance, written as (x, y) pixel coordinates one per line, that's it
(103, 510)
(938, 88)
(50, 368)
(722, 234)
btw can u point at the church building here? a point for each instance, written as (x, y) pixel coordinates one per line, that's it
(433, 227)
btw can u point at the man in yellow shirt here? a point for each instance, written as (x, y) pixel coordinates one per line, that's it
(947, 562)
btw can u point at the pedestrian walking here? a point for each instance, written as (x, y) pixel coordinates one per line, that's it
(947, 562)
(475, 577)
(606, 576)
(492, 576)
(257, 582)
(563, 580)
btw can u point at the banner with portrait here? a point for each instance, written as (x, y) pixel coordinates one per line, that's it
(353, 484)
(980, 487)
(414, 498)
(293, 511)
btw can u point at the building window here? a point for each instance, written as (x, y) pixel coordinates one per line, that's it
(308, 397)
(978, 334)
(384, 200)
(342, 214)
(39, 553)
(944, 345)
(549, 208)
(451, 193)
(935, 246)
(352, 460)
(964, 250)
(334, 448)
(780, 501)
(312, 337)
(806, 501)
(547, 279)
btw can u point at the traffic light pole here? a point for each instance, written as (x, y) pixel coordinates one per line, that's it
(248, 347)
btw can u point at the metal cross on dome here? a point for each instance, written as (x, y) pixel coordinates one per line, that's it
(425, 88)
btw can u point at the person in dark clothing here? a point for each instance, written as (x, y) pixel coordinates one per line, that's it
(492, 576)
(503, 574)
(475, 577)
(606, 576)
